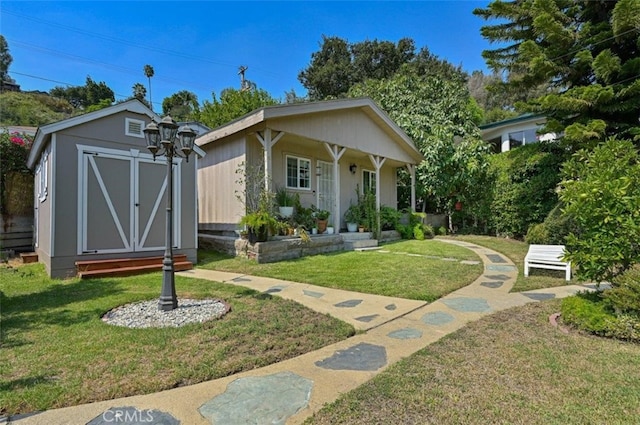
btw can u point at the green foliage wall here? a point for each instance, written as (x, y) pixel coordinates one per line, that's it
(525, 180)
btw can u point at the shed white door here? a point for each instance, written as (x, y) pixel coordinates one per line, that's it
(122, 203)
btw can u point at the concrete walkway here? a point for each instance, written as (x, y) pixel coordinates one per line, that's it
(290, 391)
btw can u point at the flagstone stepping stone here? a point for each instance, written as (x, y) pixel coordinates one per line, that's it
(362, 356)
(367, 319)
(468, 305)
(275, 289)
(449, 259)
(497, 276)
(470, 262)
(390, 307)
(539, 296)
(129, 415)
(268, 399)
(313, 294)
(492, 285)
(495, 258)
(502, 268)
(348, 304)
(406, 333)
(437, 318)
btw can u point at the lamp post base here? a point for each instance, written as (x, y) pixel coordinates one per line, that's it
(168, 299)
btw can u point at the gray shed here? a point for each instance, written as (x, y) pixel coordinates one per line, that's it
(100, 195)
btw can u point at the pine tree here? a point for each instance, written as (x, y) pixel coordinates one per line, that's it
(589, 51)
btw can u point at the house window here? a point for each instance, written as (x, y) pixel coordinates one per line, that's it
(520, 138)
(298, 173)
(42, 177)
(368, 181)
(133, 127)
(495, 144)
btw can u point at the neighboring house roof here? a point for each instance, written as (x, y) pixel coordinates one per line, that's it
(20, 129)
(513, 121)
(298, 109)
(43, 134)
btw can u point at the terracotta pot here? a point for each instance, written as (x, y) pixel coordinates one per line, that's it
(322, 225)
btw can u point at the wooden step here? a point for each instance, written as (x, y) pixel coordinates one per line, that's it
(91, 265)
(29, 257)
(132, 270)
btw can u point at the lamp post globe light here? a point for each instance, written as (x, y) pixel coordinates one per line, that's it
(166, 139)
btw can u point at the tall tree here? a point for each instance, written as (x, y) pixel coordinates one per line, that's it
(330, 72)
(83, 97)
(233, 104)
(5, 59)
(149, 72)
(588, 50)
(435, 112)
(182, 106)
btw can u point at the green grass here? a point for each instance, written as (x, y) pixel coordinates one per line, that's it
(393, 274)
(516, 251)
(511, 367)
(55, 351)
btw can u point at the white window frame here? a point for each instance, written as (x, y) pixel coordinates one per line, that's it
(127, 124)
(43, 178)
(372, 184)
(286, 172)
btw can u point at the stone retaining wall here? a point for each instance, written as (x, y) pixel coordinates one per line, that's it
(281, 247)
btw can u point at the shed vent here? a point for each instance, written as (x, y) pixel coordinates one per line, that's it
(134, 127)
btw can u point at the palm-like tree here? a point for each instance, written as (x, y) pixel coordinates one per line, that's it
(148, 72)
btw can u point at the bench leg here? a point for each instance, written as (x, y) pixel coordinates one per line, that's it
(568, 272)
(526, 269)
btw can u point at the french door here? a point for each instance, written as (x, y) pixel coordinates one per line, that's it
(326, 189)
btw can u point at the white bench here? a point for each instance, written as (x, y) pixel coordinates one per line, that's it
(547, 257)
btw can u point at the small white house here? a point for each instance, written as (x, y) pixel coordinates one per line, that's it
(512, 133)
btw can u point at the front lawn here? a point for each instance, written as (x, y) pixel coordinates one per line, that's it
(397, 274)
(511, 367)
(55, 351)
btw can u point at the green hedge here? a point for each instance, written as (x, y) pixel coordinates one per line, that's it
(525, 180)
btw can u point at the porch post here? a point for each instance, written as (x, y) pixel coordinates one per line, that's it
(336, 153)
(267, 143)
(412, 172)
(377, 162)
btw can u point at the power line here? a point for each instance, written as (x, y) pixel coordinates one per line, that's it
(105, 65)
(130, 43)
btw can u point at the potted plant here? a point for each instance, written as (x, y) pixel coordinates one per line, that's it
(285, 202)
(259, 223)
(352, 216)
(321, 219)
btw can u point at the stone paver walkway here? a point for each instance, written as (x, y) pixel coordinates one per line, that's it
(290, 391)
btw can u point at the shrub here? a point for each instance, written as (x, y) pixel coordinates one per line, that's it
(389, 218)
(442, 231)
(537, 234)
(587, 311)
(428, 232)
(624, 297)
(592, 313)
(601, 192)
(418, 233)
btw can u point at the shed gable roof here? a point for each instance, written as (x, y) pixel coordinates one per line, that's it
(43, 133)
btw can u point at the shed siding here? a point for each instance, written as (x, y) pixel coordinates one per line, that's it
(107, 132)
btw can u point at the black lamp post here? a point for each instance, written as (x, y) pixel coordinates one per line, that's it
(165, 139)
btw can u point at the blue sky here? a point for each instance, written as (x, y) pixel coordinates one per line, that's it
(198, 46)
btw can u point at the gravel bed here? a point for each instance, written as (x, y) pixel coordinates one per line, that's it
(147, 315)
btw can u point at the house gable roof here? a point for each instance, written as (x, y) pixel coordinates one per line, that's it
(43, 133)
(299, 109)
